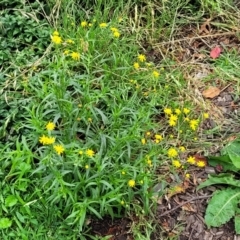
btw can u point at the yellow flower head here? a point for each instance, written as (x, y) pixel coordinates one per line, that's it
(84, 24)
(90, 153)
(206, 115)
(143, 141)
(172, 152)
(193, 124)
(50, 126)
(59, 149)
(56, 39)
(201, 164)
(168, 111)
(66, 52)
(102, 25)
(173, 117)
(87, 166)
(113, 29)
(187, 175)
(191, 160)
(136, 65)
(148, 133)
(178, 111)
(44, 140)
(116, 34)
(131, 183)
(75, 55)
(156, 74)
(141, 58)
(80, 152)
(172, 123)
(176, 163)
(182, 148)
(55, 33)
(186, 111)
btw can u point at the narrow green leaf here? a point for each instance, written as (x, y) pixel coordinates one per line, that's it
(237, 224)
(223, 178)
(221, 208)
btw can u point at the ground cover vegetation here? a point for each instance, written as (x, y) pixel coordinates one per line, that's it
(93, 105)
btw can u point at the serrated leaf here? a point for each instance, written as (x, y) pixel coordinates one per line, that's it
(221, 208)
(223, 178)
(237, 224)
(5, 223)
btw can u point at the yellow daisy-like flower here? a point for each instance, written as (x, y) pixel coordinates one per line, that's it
(182, 148)
(148, 133)
(173, 117)
(206, 115)
(187, 175)
(75, 55)
(102, 25)
(141, 58)
(172, 123)
(90, 153)
(178, 111)
(156, 74)
(45, 140)
(136, 65)
(116, 34)
(193, 124)
(143, 141)
(191, 160)
(176, 163)
(131, 183)
(55, 33)
(186, 111)
(56, 39)
(201, 164)
(172, 152)
(167, 111)
(50, 126)
(84, 24)
(59, 149)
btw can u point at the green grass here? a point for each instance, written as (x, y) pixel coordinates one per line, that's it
(108, 115)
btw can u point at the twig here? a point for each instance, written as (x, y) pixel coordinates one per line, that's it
(181, 204)
(226, 87)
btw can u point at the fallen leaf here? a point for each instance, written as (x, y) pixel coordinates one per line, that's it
(215, 52)
(211, 92)
(188, 207)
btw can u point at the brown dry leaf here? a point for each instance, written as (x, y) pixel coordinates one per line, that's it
(211, 92)
(188, 207)
(205, 27)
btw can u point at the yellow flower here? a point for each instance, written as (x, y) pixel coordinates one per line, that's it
(193, 124)
(84, 24)
(75, 55)
(191, 160)
(186, 111)
(143, 141)
(155, 74)
(131, 183)
(113, 29)
(182, 148)
(80, 152)
(173, 117)
(177, 111)
(136, 65)
(102, 25)
(59, 149)
(187, 175)
(201, 164)
(176, 163)
(55, 33)
(70, 41)
(44, 140)
(206, 115)
(149, 162)
(87, 166)
(172, 152)
(141, 58)
(168, 111)
(56, 39)
(90, 153)
(116, 34)
(172, 123)
(66, 52)
(159, 137)
(148, 133)
(50, 126)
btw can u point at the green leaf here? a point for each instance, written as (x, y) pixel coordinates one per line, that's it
(11, 201)
(223, 178)
(224, 161)
(221, 208)
(237, 223)
(5, 223)
(233, 151)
